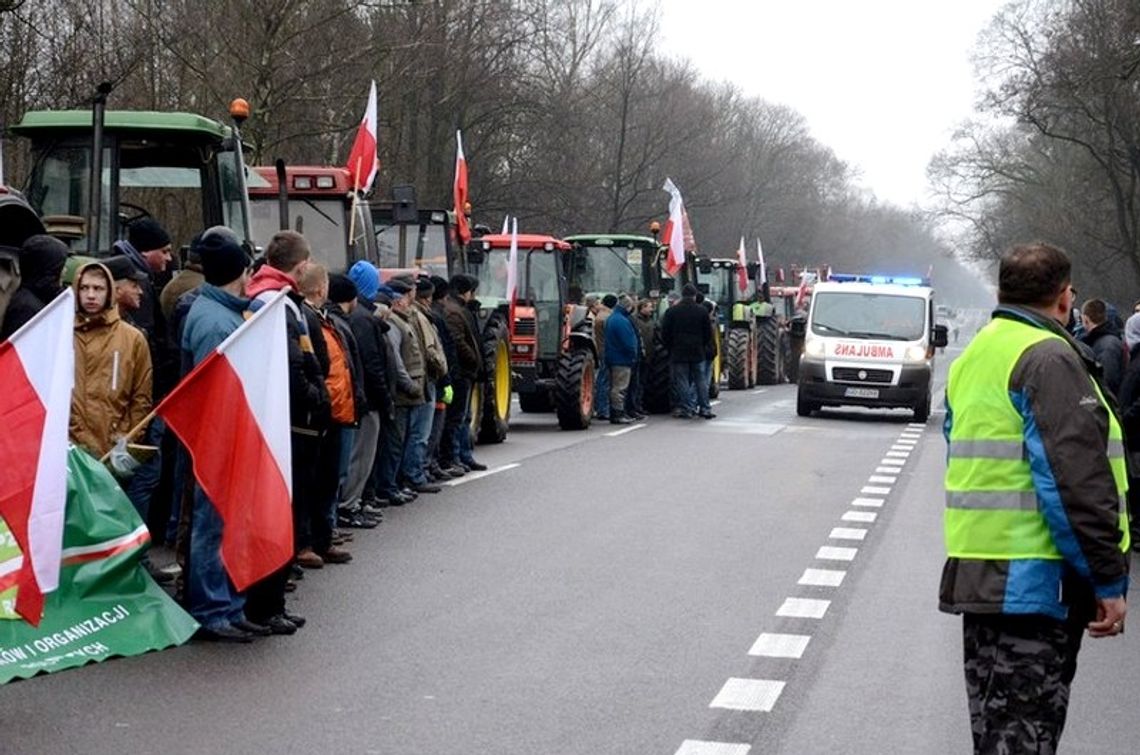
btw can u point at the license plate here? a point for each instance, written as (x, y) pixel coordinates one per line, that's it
(861, 393)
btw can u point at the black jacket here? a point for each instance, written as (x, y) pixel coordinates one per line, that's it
(685, 331)
(1130, 403)
(368, 329)
(39, 285)
(1106, 344)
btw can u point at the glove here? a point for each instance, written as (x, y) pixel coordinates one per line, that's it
(123, 465)
(448, 394)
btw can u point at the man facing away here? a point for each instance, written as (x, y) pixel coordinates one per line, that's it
(1035, 523)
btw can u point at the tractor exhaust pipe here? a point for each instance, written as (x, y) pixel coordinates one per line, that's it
(282, 195)
(95, 198)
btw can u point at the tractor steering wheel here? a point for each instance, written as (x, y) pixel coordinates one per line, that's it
(139, 213)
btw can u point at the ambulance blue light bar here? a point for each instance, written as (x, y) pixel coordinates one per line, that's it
(878, 279)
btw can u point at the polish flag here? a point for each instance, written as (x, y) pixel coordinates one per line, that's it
(675, 229)
(763, 266)
(742, 269)
(802, 292)
(460, 191)
(363, 162)
(513, 275)
(232, 414)
(37, 374)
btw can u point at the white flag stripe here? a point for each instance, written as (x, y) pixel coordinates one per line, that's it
(258, 352)
(46, 347)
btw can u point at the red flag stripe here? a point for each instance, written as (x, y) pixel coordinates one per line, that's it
(244, 483)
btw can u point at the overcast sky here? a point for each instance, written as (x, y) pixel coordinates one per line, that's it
(882, 82)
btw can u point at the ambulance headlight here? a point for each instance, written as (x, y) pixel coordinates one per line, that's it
(815, 349)
(916, 353)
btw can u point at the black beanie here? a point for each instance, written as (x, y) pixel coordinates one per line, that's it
(689, 291)
(440, 284)
(146, 235)
(424, 286)
(223, 259)
(610, 301)
(461, 283)
(341, 289)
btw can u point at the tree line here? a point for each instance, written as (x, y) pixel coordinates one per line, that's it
(1053, 152)
(572, 117)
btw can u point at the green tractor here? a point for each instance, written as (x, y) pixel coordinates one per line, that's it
(94, 173)
(610, 263)
(552, 351)
(739, 316)
(409, 238)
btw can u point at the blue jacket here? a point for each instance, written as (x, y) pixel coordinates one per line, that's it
(621, 340)
(214, 315)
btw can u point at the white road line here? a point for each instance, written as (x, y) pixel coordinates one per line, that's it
(888, 479)
(770, 645)
(470, 477)
(831, 553)
(860, 516)
(874, 490)
(624, 430)
(847, 533)
(898, 454)
(803, 608)
(748, 694)
(822, 577)
(714, 403)
(893, 462)
(910, 434)
(758, 391)
(887, 470)
(702, 747)
(874, 503)
(906, 442)
(897, 447)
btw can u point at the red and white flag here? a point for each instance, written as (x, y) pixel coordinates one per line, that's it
(802, 292)
(675, 229)
(363, 162)
(513, 275)
(37, 374)
(460, 191)
(742, 270)
(232, 414)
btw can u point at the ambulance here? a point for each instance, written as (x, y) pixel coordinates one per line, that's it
(870, 341)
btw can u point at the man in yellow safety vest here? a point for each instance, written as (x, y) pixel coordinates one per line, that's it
(1035, 522)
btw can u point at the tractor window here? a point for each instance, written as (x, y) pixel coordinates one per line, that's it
(722, 284)
(59, 186)
(423, 246)
(231, 193)
(606, 269)
(323, 223)
(492, 275)
(172, 195)
(542, 277)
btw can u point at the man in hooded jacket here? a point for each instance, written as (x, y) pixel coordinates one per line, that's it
(42, 259)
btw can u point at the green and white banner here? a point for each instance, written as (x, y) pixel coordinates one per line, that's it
(106, 604)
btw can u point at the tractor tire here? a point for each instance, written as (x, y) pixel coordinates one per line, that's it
(477, 394)
(657, 394)
(574, 390)
(792, 358)
(770, 368)
(736, 358)
(805, 408)
(922, 409)
(496, 413)
(536, 402)
(717, 365)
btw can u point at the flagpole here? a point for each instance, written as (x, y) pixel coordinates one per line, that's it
(355, 200)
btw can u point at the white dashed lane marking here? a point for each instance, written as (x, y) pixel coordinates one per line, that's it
(891, 462)
(471, 477)
(831, 553)
(748, 694)
(890, 480)
(873, 503)
(803, 608)
(860, 516)
(847, 533)
(701, 747)
(873, 490)
(887, 470)
(898, 454)
(624, 430)
(822, 577)
(769, 645)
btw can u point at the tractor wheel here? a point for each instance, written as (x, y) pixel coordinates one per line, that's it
(717, 365)
(659, 381)
(477, 394)
(574, 391)
(497, 385)
(770, 368)
(791, 358)
(536, 402)
(736, 356)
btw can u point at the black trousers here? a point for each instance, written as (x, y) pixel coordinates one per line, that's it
(456, 413)
(322, 514)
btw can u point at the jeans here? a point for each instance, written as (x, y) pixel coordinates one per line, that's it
(702, 386)
(419, 430)
(210, 596)
(391, 453)
(142, 484)
(686, 376)
(452, 447)
(633, 399)
(602, 391)
(619, 384)
(435, 440)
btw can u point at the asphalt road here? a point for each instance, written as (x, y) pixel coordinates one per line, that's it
(626, 590)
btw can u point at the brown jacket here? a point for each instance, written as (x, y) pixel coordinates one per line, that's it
(466, 338)
(112, 376)
(402, 334)
(433, 347)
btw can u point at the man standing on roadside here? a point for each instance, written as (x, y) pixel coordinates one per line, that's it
(620, 356)
(1035, 523)
(686, 334)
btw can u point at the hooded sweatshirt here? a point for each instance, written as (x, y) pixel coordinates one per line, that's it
(112, 374)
